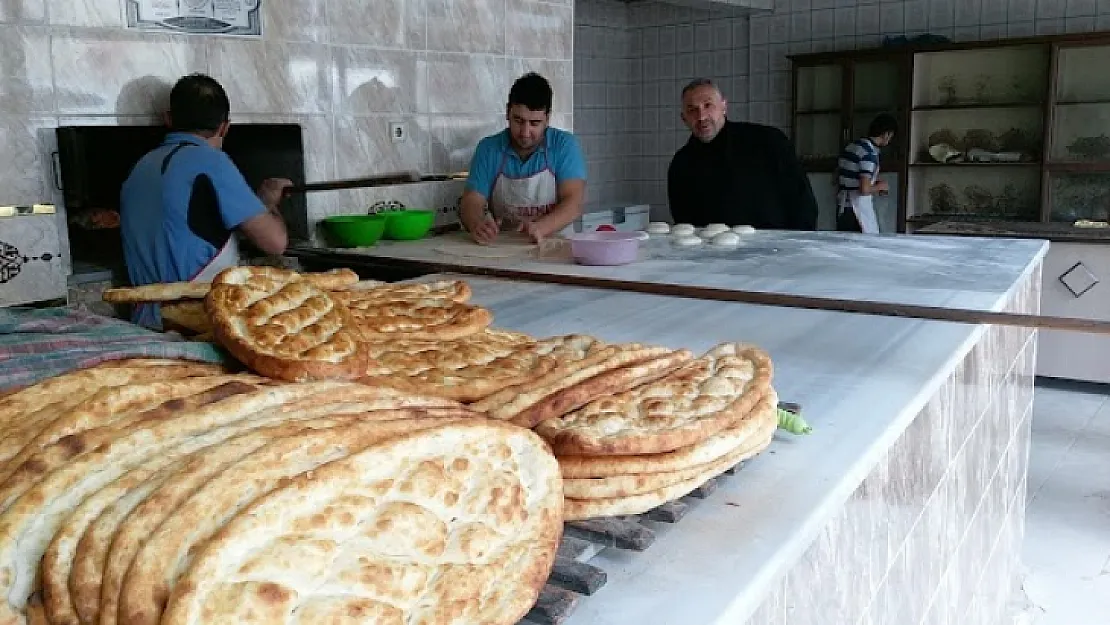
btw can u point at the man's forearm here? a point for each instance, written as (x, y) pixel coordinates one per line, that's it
(471, 212)
(560, 217)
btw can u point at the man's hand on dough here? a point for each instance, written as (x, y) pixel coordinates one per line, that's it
(486, 231)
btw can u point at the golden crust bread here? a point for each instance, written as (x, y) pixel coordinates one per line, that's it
(166, 553)
(469, 515)
(423, 318)
(684, 408)
(622, 486)
(175, 291)
(187, 315)
(110, 545)
(131, 409)
(467, 369)
(30, 405)
(451, 290)
(615, 380)
(283, 327)
(582, 509)
(535, 399)
(27, 525)
(704, 452)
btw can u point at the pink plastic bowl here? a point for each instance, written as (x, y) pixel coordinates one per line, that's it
(605, 248)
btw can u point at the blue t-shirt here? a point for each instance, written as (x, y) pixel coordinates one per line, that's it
(563, 156)
(178, 208)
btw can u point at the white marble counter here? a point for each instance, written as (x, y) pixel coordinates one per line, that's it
(861, 381)
(931, 271)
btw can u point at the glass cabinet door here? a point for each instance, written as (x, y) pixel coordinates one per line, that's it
(818, 113)
(876, 87)
(1081, 117)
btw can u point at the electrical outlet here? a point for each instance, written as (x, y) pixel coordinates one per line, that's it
(397, 132)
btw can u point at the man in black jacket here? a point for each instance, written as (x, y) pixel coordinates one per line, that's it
(735, 173)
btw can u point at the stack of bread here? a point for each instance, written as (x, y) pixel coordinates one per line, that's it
(207, 497)
(391, 457)
(630, 452)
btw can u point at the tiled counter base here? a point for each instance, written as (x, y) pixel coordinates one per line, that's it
(933, 534)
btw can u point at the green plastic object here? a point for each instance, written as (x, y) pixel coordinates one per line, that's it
(355, 230)
(793, 423)
(409, 224)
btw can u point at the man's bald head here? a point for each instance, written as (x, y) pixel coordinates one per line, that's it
(703, 109)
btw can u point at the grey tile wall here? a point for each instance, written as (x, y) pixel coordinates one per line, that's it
(344, 69)
(933, 534)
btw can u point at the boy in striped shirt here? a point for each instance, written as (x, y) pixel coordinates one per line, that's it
(858, 177)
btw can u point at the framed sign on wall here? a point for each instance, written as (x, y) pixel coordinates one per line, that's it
(242, 18)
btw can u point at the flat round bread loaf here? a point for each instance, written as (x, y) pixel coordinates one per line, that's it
(466, 369)
(334, 279)
(684, 408)
(591, 369)
(704, 452)
(456, 524)
(188, 315)
(453, 290)
(165, 555)
(668, 490)
(426, 318)
(620, 486)
(283, 327)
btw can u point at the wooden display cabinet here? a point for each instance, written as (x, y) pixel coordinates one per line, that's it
(1013, 131)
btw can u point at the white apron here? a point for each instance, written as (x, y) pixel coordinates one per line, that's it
(862, 206)
(528, 198)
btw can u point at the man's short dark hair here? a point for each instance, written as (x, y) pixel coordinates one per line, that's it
(882, 124)
(532, 91)
(699, 82)
(198, 103)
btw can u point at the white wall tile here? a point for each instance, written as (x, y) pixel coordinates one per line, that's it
(1081, 8)
(1022, 10)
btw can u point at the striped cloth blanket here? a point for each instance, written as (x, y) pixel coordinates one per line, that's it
(36, 344)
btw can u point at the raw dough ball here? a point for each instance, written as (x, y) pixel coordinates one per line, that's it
(713, 230)
(687, 240)
(744, 230)
(658, 227)
(682, 230)
(726, 239)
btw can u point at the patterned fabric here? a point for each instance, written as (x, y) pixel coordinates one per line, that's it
(36, 344)
(858, 158)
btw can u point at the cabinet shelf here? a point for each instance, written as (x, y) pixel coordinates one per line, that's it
(972, 165)
(1082, 102)
(973, 107)
(1078, 167)
(818, 112)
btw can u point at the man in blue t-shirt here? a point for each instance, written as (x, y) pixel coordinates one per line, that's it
(184, 202)
(531, 177)
(858, 177)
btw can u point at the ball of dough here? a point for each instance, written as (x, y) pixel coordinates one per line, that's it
(682, 230)
(658, 227)
(687, 240)
(726, 239)
(744, 230)
(713, 230)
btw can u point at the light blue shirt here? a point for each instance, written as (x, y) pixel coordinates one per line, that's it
(495, 155)
(179, 206)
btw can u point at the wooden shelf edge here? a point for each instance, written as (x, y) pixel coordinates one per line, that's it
(1077, 167)
(1036, 164)
(978, 107)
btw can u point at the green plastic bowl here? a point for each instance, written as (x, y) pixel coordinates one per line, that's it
(408, 224)
(355, 230)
